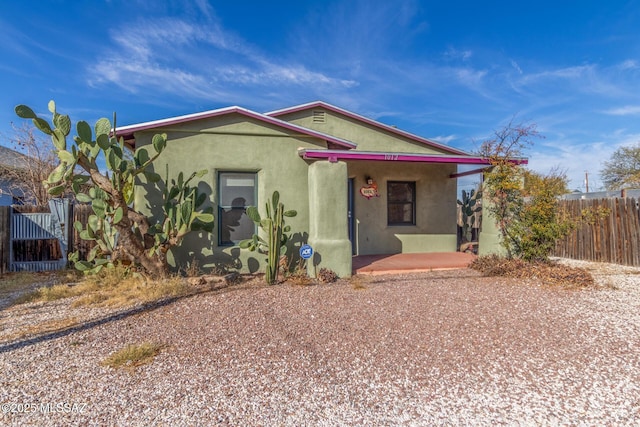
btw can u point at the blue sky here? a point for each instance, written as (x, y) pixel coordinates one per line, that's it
(451, 71)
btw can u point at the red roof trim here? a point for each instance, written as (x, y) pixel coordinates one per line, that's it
(336, 155)
(321, 104)
(127, 132)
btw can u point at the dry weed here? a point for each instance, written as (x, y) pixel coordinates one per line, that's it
(358, 282)
(111, 287)
(548, 273)
(18, 287)
(298, 276)
(326, 275)
(133, 355)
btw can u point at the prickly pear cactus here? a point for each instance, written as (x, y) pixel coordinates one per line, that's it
(119, 231)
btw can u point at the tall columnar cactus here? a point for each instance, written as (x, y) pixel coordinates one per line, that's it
(470, 209)
(120, 232)
(276, 231)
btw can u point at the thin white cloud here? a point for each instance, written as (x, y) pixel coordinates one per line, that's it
(629, 64)
(444, 139)
(356, 36)
(180, 57)
(628, 110)
(573, 159)
(204, 7)
(515, 65)
(610, 81)
(22, 42)
(579, 158)
(567, 73)
(469, 77)
(458, 54)
(132, 76)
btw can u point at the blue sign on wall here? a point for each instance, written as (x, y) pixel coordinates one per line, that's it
(306, 251)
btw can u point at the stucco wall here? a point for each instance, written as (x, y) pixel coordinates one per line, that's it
(435, 229)
(328, 228)
(233, 144)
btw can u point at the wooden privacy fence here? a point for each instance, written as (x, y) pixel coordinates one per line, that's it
(608, 231)
(36, 250)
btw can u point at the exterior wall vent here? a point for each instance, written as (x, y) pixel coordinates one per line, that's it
(319, 116)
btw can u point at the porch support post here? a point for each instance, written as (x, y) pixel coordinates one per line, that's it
(328, 222)
(490, 237)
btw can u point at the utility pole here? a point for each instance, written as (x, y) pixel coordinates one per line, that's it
(586, 179)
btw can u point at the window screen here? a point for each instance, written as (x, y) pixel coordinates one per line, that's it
(237, 190)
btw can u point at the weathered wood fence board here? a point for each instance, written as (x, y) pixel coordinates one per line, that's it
(80, 213)
(5, 238)
(608, 232)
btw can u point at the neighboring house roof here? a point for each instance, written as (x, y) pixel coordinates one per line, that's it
(12, 158)
(371, 122)
(11, 161)
(127, 132)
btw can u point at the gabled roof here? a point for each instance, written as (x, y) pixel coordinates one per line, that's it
(371, 122)
(127, 132)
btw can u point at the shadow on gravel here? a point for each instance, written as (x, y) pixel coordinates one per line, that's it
(88, 325)
(48, 336)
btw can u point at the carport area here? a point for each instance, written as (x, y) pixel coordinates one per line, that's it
(410, 262)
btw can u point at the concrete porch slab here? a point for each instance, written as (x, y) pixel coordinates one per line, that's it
(410, 263)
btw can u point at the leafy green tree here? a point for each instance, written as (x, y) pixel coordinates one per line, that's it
(122, 233)
(622, 170)
(556, 181)
(541, 222)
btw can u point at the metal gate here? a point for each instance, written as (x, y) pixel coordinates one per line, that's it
(41, 226)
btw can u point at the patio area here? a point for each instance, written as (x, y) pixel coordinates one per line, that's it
(410, 263)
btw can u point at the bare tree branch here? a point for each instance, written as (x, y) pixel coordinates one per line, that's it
(30, 163)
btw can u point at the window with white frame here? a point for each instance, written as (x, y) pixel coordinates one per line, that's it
(236, 191)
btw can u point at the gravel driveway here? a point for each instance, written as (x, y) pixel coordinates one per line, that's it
(439, 348)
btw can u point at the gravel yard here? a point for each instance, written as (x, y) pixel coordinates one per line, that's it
(438, 348)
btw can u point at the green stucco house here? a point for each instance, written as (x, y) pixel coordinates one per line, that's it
(360, 187)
